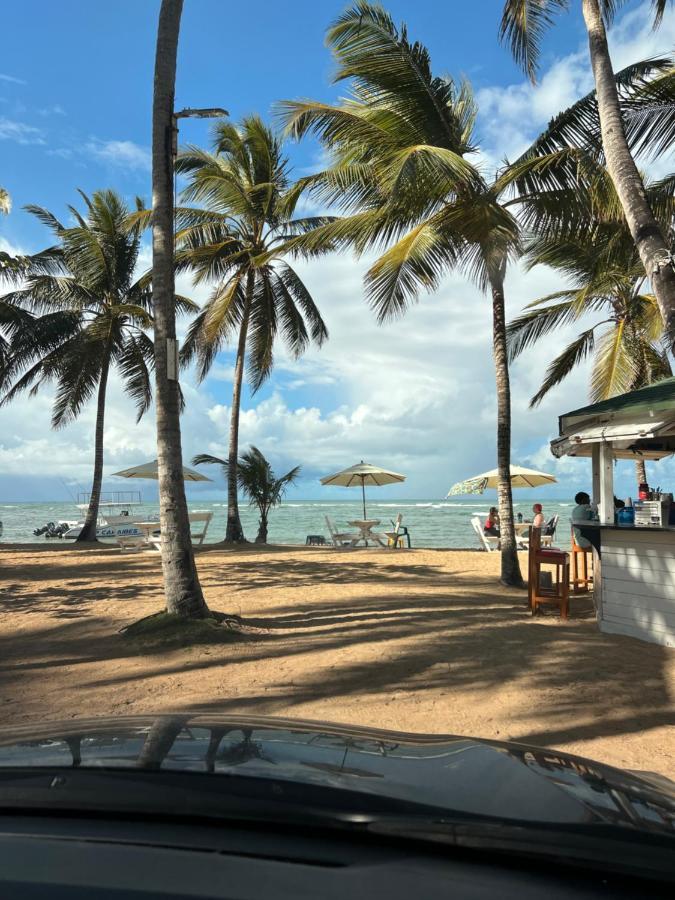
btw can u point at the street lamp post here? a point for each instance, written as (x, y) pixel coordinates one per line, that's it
(211, 112)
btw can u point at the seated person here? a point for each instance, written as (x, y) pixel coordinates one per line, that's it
(582, 512)
(491, 526)
(539, 521)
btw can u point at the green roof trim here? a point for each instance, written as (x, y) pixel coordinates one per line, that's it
(657, 396)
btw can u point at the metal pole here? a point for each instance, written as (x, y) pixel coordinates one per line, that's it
(363, 491)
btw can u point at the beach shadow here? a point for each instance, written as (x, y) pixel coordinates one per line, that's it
(418, 639)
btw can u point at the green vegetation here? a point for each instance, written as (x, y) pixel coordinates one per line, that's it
(79, 313)
(257, 481)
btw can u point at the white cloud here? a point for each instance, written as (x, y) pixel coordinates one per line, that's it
(20, 132)
(11, 79)
(54, 110)
(126, 154)
(511, 116)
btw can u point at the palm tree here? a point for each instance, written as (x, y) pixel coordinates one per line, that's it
(400, 173)
(626, 340)
(182, 589)
(78, 315)
(240, 239)
(257, 481)
(523, 24)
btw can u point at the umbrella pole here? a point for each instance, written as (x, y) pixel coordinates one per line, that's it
(363, 491)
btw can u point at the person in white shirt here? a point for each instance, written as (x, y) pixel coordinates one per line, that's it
(539, 521)
(582, 512)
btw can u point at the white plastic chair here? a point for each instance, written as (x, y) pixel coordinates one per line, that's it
(341, 538)
(487, 541)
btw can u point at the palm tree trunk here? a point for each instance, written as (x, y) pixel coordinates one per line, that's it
(510, 564)
(234, 532)
(261, 537)
(641, 471)
(624, 173)
(88, 532)
(181, 584)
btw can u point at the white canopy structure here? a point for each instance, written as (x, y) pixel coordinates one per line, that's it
(362, 474)
(520, 477)
(150, 470)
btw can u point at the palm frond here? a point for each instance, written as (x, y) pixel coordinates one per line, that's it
(563, 364)
(523, 25)
(529, 327)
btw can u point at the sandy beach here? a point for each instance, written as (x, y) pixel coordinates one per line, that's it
(422, 640)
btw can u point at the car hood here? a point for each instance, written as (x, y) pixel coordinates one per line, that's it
(449, 773)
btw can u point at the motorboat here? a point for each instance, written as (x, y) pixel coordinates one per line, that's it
(118, 513)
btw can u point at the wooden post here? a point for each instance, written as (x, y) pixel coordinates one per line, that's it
(606, 510)
(595, 459)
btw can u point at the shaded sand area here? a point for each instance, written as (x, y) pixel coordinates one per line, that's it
(422, 640)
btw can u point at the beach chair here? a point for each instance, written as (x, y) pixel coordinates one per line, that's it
(341, 538)
(200, 518)
(400, 533)
(550, 527)
(487, 541)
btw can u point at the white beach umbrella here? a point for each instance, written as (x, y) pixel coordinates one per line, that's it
(150, 470)
(362, 474)
(520, 477)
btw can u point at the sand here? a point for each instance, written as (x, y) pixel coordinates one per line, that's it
(422, 640)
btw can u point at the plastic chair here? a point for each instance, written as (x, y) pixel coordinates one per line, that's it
(396, 537)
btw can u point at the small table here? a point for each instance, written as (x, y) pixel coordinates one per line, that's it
(522, 530)
(365, 526)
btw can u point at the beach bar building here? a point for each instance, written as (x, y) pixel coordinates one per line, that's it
(634, 566)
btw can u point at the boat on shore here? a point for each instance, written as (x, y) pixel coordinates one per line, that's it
(119, 511)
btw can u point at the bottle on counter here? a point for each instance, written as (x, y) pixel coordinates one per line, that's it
(643, 491)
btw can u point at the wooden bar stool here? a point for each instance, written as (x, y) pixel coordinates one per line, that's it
(559, 591)
(582, 559)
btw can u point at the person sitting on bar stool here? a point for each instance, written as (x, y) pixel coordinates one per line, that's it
(581, 546)
(582, 512)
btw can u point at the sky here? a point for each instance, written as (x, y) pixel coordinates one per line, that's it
(417, 395)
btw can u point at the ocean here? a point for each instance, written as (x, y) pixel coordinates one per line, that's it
(432, 523)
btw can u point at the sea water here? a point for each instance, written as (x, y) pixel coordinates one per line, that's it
(431, 523)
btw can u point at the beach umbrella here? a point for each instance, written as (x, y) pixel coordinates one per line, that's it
(362, 474)
(520, 478)
(151, 470)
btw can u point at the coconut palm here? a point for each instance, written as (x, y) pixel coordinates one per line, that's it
(257, 481)
(399, 145)
(182, 589)
(523, 24)
(78, 315)
(239, 239)
(624, 330)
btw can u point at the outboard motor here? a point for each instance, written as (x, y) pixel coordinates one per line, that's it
(44, 530)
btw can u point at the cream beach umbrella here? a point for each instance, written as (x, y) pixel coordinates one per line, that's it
(151, 470)
(520, 478)
(362, 474)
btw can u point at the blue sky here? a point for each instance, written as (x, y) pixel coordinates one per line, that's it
(75, 99)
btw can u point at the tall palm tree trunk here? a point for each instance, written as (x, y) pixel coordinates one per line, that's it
(624, 173)
(88, 532)
(234, 532)
(181, 584)
(641, 471)
(510, 564)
